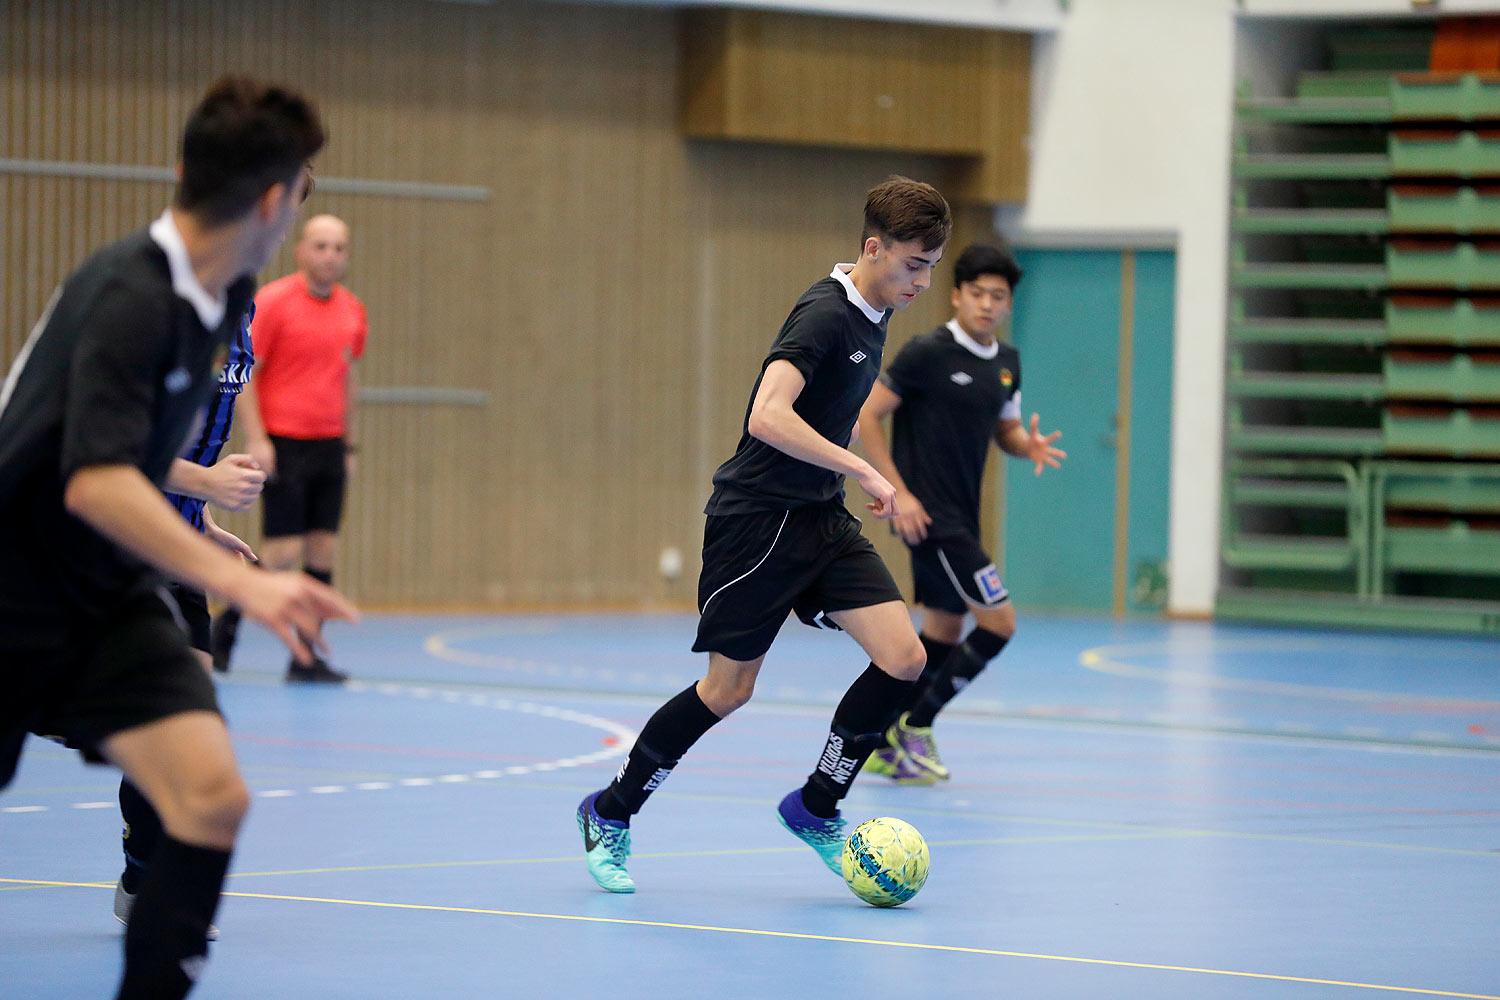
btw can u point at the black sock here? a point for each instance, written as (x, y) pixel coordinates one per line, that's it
(323, 576)
(962, 666)
(859, 724)
(937, 655)
(166, 943)
(667, 735)
(140, 837)
(222, 633)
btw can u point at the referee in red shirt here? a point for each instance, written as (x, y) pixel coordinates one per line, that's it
(298, 416)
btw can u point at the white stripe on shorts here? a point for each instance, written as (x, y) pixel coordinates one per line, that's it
(953, 578)
(752, 569)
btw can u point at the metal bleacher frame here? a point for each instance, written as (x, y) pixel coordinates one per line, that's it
(1362, 440)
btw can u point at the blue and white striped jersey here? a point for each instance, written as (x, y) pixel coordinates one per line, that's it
(208, 441)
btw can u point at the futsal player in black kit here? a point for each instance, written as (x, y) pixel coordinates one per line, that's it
(92, 414)
(952, 391)
(779, 539)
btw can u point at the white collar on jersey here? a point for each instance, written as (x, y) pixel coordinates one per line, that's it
(971, 345)
(841, 275)
(184, 282)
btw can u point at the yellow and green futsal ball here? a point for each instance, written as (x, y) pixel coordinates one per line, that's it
(885, 861)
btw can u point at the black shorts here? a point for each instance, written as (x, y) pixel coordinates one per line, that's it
(953, 573)
(196, 621)
(307, 491)
(757, 567)
(124, 671)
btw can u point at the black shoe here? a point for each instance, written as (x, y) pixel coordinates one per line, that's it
(221, 636)
(318, 672)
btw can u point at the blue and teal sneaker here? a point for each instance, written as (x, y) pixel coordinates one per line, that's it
(606, 845)
(826, 836)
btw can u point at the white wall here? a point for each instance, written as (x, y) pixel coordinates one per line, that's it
(1131, 126)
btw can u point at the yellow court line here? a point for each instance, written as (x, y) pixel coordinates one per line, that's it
(797, 936)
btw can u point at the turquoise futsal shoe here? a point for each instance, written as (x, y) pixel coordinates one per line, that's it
(826, 836)
(606, 846)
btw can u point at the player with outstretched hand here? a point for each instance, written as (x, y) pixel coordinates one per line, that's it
(952, 391)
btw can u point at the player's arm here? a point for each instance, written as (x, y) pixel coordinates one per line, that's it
(233, 482)
(120, 503)
(227, 540)
(1016, 440)
(774, 420)
(351, 432)
(912, 523)
(257, 440)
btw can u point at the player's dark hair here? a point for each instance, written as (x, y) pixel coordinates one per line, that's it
(983, 258)
(243, 137)
(901, 210)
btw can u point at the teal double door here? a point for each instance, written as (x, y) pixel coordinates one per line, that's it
(1094, 328)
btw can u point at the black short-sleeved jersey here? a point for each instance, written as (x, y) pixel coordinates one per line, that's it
(835, 339)
(117, 371)
(952, 397)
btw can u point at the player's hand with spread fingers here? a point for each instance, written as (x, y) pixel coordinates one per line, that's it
(881, 492)
(1039, 447)
(235, 482)
(913, 521)
(293, 605)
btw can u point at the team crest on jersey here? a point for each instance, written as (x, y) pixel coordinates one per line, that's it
(962, 378)
(1006, 378)
(990, 586)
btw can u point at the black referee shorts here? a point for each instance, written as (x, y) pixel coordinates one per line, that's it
(757, 567)
(307, 491)
(132, 668)
(953, 573)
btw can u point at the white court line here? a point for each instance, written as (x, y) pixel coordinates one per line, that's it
(624, 739)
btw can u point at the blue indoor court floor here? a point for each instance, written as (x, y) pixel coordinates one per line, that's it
(1138, 810)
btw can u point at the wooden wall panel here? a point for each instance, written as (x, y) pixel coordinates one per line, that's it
(613, 297)
(770, 76)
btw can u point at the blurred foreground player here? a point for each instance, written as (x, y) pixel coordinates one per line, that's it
(92, 414)
(779, 538)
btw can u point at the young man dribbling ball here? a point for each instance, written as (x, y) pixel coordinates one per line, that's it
(779, 539)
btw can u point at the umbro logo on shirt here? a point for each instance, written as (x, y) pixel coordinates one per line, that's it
(962, 378)
(858, 356)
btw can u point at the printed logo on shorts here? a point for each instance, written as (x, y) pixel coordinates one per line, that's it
(990, 586)
(858, 356)
(962, 378)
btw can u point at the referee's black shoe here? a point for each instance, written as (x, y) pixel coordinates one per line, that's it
(317, 672)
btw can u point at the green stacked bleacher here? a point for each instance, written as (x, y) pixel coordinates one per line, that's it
(1362, 471)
